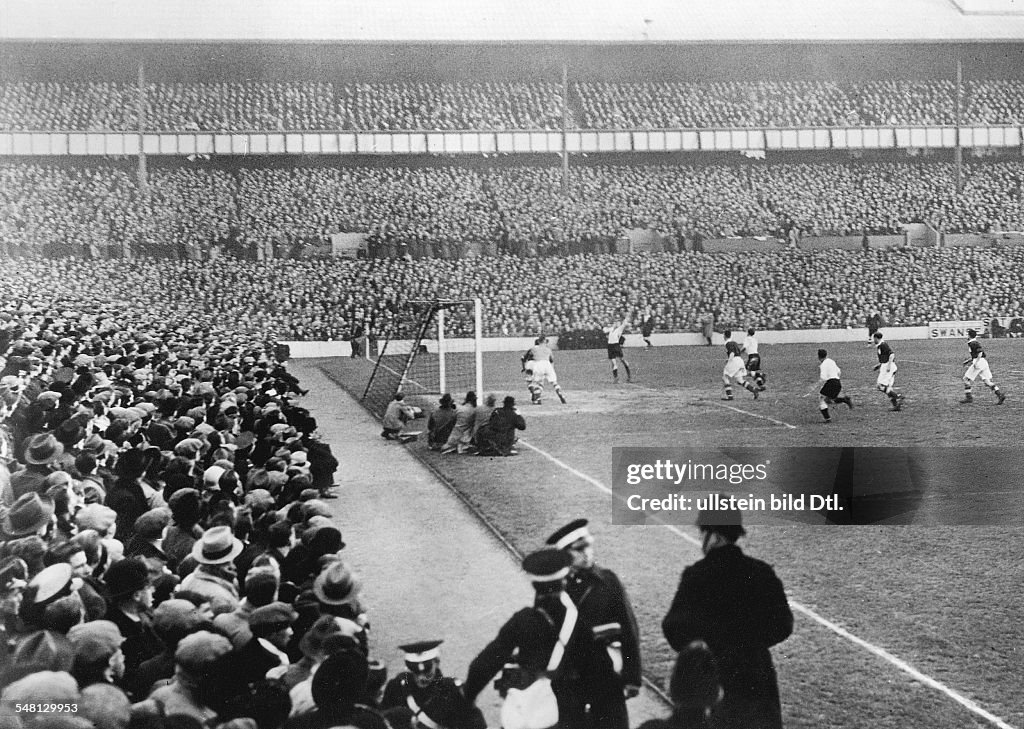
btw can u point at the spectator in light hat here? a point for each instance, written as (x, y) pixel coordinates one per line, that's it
(215, 577)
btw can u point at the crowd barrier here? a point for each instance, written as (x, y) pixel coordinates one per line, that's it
(30, 143)
(306, 350)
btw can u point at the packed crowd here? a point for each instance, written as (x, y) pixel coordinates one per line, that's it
(332, 299)
(446, 210)
(167, 556)
(501, 105)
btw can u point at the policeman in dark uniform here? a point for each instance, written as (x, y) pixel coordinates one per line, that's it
(530, 636)
(424, 694)
(738, 607)
(604, 605)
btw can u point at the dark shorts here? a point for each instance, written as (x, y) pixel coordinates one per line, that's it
(831, 389)
(646, 329)
(753, 362)
(614, 351)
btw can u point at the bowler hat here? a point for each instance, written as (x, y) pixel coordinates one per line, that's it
(126, 576)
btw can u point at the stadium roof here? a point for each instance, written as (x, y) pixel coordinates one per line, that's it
(502, 21)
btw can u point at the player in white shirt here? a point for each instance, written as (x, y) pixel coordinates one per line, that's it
(753, 359)
(734, 373)
(831, 388)
(539, 366)
(616, 337)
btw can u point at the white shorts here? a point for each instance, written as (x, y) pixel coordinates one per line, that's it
(544, 371)
(978, 367)
(887, 374)
(734, 369)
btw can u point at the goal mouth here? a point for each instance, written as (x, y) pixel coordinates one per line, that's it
(435, 350)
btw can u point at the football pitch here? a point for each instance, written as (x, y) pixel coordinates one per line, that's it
(896, 626)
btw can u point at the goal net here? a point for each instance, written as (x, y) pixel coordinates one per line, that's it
(439, 353)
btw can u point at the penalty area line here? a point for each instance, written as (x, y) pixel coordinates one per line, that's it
(821, 620)
(753, 415)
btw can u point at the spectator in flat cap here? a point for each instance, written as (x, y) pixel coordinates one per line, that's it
(43, 689)
(215, 575)
(40, 650)
(131, 601)
(172, 620)
(530, 632)
(63, 614)
(738, 607)
(106, 706)
(193, 691)
(98, 517)
(272, 626)
(602, 601)
(98, 654)
(148, 533)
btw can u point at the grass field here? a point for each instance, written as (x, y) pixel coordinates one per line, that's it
(943, 599)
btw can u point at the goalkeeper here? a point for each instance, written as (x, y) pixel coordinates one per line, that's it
(539, 366)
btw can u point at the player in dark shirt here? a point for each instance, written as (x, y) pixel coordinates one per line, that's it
(886, 369)
(977, 364)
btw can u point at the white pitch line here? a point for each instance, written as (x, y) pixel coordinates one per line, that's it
(930, 364)
(878, 651)
(753, 415)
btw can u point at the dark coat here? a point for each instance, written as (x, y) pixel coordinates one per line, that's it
(499, 434)
(737, 606)
(129, 501)
(534, 631)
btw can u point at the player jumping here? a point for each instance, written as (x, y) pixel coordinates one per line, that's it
(978, 365)
(886, 369)
(753, 359)
(734, 371)
(539, 365)
(616, 338)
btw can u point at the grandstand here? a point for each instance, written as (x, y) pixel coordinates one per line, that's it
(187, 195)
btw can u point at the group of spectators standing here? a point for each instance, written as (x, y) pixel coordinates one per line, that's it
(347, 299)
(447, 211)
(501, 105)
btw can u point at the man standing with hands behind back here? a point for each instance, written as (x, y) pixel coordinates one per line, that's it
(738, 606)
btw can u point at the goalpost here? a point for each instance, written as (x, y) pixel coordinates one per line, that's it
(441, 352)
